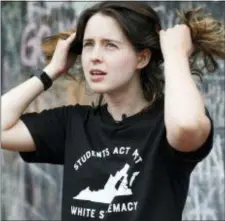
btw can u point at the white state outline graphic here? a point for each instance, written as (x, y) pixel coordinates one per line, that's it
(109, 192)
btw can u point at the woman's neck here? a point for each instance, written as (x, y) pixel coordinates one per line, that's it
(127, 102)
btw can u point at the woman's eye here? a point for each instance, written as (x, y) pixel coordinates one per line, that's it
(87, 44)
(110, 45)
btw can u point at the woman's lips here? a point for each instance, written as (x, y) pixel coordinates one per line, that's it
(97, 72)
(97, 78)
(97, 75)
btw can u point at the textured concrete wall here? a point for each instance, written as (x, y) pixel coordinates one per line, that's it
(33, 191)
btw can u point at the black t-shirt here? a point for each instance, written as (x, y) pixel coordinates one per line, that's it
(122, 171)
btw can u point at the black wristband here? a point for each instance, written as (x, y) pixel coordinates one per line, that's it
(44, 78)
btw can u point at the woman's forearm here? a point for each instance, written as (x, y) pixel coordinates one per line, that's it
(15, 102)
(183, 102)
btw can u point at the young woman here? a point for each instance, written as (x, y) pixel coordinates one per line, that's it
(130, 157)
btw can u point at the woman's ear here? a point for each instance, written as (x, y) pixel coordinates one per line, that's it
(143, 58)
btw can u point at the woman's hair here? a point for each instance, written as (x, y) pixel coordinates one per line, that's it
(141, 25)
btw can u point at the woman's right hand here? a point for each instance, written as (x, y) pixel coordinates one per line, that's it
(61, 60)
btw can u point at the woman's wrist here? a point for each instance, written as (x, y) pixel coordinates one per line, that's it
(175, 55)
(49, 70)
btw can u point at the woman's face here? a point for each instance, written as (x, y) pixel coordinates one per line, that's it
(108, 58)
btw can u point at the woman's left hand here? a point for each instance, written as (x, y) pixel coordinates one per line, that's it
(176, 40)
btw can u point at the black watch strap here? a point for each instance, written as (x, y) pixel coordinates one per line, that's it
(44, 78)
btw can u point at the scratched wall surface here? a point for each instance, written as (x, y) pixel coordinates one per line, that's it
(33, 191)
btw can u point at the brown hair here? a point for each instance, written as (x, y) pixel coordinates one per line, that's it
(141, 25)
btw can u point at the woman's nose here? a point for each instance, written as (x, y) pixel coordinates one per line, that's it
(96, 54)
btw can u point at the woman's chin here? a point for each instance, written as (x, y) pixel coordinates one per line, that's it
(100, 89)
(104, 88)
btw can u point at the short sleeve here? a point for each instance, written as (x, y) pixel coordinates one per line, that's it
(195, 156)
(48, 130)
